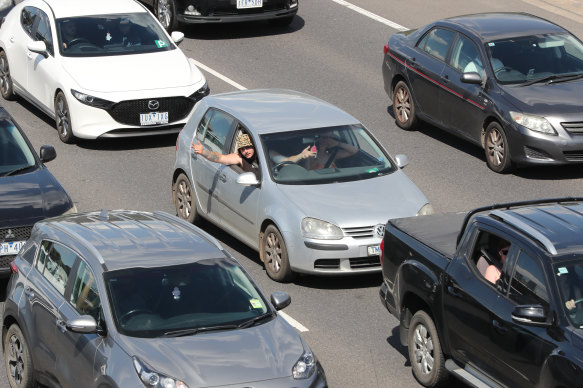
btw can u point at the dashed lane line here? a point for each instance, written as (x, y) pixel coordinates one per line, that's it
(371, 15)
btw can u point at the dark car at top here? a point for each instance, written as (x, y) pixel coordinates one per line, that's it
(508, 82)
(28, 191)
(171, 13)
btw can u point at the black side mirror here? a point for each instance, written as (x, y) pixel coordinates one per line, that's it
(47, 153)
(471, 78)
(280, 300)
(534, 315)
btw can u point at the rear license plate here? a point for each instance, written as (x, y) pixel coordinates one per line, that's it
(249, 3)
(10, 248)
(154, 118)
(374, 250)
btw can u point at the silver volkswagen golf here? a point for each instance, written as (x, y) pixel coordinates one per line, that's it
(321, 192)
(130, 299)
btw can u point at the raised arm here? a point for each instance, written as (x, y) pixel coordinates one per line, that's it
(215, 156)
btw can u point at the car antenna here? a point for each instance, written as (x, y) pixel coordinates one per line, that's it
(104, 215)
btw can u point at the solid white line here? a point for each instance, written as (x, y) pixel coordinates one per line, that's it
(218, 75)
(293, 322)
(371, 15)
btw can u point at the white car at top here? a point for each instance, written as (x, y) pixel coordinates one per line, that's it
(102, 68)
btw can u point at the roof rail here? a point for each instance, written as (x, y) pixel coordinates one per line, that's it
(509, 205)
(519, 224)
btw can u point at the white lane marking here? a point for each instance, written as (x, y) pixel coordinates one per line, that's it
(218, 75)
(371, 15)
(293, 322)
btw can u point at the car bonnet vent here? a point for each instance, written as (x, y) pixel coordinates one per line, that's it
(523, 226)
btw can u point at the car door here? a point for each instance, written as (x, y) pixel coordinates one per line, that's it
(45, 290)
(17, 50)
(239, 204)
(427, 67)
(41, 69)
(213, 131)
(81, 357)
(463, 105)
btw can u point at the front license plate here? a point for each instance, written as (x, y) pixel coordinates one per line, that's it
(10, 248)
(249, 3)
(154, 118)
(374, 250)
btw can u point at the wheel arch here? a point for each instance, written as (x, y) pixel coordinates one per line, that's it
(175, 176)
(487, 121)
(264, 224)
(395, 80)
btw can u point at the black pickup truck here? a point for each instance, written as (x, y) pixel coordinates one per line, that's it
(523, 329)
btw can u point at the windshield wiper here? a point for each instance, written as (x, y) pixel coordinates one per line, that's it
(254, 320)
(196, 330)
(553, 78)
(18, 170)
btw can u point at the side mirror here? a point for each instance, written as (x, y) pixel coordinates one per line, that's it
(39, 47)
(177, 37)
(47, 153)
(247, 179)
(402, 160)
(280, 300)
(471, 78)
(85, 324)
(533, 315)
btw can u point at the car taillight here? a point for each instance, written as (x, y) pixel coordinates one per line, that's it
(13, 267)
(386, 48)
(382, 250)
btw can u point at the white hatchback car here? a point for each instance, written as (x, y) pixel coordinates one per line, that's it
(101, 68)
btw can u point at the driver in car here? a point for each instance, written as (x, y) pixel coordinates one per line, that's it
(329, 149)
(68, 33)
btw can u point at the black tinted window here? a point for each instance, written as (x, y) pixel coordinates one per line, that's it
(528, 285)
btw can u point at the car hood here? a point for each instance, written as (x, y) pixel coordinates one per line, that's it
(367, 201)
(263, 352)
(126, 73)
(31, 197)
(547, 100)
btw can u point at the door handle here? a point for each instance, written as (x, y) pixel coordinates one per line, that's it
(223, 178)
(445, 79)
(499, 327)
(454, 291)
(11, 39)
(29, 292)
(61, 325)
(29, 55)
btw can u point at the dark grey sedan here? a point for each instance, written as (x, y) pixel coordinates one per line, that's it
(129, 299)
(508, 82)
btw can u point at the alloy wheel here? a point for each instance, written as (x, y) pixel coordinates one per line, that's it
(273, 252)
(4, 75)
(63, 125)
(183, 200)
(423, 349)
(164, 13)
(16, 360)
(402, 106)
(495, 146)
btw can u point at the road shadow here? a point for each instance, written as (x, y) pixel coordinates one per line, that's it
(395, 342)
(220, 31)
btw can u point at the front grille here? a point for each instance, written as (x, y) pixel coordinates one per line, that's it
(359, 232)
(20, 233)
(575, 128)
(128, 112)
(534, 153)
(327, 263)
(365, 262)
(573, 156)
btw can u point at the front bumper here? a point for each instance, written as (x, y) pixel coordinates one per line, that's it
(235, 16)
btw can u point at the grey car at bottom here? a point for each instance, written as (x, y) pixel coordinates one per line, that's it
(301, 219)
(129, 299)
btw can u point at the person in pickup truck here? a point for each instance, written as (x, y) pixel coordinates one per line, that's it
(495, 269)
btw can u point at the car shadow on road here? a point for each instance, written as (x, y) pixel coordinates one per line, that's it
(395, 341)
(221, 31)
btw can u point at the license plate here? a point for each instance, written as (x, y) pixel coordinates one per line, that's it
(10, 248)
(249, 3)
(154, 118)
(374, 250)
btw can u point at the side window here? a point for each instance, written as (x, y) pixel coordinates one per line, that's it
(217, 130)
(58, 264)
(28, 252)
(489, 256)
(466, 57)
(438, 42)
(528, 285)
(27, 18)
(85, 296)
(238, 132)
(42, 256)
(43, 31)
(200, 130)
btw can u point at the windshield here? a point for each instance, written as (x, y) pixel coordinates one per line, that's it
(325, 155)
(15, 154)
(150, 302)
(529, 58)
(105, 35)
(570, 281)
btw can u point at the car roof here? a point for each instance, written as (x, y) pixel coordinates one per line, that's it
(72, 8)
(502, 25)
(124, 239)
(278, 110)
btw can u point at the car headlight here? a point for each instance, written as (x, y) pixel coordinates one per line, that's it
(200, 93)
(534, 123)
(305, 366)
(314, 228)
(154, 379)
(91, 101)
(426, 210)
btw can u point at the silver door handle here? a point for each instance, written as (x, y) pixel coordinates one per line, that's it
(29, 292)
(61, 325)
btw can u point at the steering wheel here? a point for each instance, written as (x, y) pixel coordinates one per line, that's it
(133, 312)
(505, 68)
(281, 164)
(77, 41)
(331, 156)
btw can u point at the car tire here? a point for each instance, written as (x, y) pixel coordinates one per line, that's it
(63, 119)
(274, 255)
(425, 352)
(497, 150)
(6, 86)
(281, 22)
(404, 106)
(165, 11)
(17, 358)
(185, 199)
